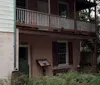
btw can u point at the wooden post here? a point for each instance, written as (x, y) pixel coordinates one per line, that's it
(49, 7)
(94, 58)
(75, 23)
(49, 10)
(95, 18)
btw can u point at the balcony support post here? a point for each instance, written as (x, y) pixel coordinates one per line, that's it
(95, 18)
(75, 23)
(49, 10)
(94, 58)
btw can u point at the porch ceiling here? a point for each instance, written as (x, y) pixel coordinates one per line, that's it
(83, 4)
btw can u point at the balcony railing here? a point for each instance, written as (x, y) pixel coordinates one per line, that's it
(42, 19)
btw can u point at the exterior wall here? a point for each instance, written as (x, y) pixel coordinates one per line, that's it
(6, 37)
(7, 15)
(6, 54)
(76, 54)
(41, 48)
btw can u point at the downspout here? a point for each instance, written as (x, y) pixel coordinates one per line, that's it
(15, 35)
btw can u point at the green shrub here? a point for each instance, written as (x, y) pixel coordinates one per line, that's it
(4, 82)
(20, 80)
(73, 78)
(38, 81)
(55, 81)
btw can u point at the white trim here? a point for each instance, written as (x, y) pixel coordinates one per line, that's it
(67, 54)
(29, 58)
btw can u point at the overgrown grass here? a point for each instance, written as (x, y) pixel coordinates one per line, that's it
(72, 78)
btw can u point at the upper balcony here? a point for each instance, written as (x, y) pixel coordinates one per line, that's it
(39, 19)
(54, 14)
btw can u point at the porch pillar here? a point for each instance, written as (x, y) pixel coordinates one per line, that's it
(76, 54)
(94, 59)
(49, 7)
(75, 22)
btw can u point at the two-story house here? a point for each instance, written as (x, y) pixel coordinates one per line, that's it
(50, 29)
(48, 35)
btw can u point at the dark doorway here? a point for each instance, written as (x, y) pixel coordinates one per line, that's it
(23, 60)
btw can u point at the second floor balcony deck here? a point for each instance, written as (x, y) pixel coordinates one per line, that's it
(39, 19)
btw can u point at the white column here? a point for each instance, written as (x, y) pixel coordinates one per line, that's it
(17, 49)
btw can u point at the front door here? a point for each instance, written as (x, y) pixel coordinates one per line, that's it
(23, 60)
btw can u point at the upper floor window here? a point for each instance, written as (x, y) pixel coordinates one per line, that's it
(42, 6)
(63, 9)
(21, 3)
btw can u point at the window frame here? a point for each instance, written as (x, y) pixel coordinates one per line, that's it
(67, 53)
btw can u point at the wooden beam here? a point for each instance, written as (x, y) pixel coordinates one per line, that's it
(55, 34)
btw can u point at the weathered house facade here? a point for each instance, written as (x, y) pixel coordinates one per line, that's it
(50, 32)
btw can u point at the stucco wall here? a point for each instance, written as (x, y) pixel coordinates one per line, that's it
(41, 48)
(6, 54)
(76, 54)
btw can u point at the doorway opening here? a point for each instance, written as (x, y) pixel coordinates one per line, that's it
(24, 60)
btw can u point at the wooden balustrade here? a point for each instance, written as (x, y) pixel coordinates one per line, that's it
(43, 19)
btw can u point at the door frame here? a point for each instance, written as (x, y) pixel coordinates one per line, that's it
(29, 58)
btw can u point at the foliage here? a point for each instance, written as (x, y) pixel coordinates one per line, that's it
(73, 78)
(20, 80)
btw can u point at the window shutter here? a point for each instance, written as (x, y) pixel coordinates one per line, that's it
(70, 50)
(54, 53)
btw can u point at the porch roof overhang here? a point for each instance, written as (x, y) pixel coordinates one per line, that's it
(83, 4)
(67, 34)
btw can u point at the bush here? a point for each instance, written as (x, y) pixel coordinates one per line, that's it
(73, 78)
(20, 80)
(55, 81)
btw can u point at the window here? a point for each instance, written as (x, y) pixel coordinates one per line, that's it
(61, 53)
(63, 9)
(42, 6)
(21, 3)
